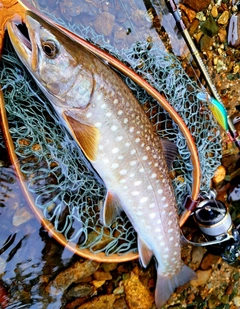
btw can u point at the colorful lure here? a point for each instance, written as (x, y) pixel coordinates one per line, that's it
(218, 110)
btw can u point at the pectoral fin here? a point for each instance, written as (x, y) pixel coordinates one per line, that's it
(170, 152)
(110, 209)
(87, 136)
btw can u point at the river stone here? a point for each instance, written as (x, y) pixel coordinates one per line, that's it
(197, 5)
(72, 274)
(223, 19)
(138, 296)
(81, 290)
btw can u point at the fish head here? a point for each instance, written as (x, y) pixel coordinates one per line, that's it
(57, 63)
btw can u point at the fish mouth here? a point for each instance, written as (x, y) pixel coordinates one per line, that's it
(22, 41)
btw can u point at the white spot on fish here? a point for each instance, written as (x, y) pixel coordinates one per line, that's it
(125, 120)
(158, 230)
(132, 163)
(152, 215)
(131, 129)
(147, 148)
(115, 165)
(144, 158)
(120, 112)
(141, 170)
(165, 206)
(170, 231)
(135, 193)
(98, 124)
(132, 175)
(119, 138)
(152, 205)
(160, 191)
(139, 213)
(105, 160)
(163, 198)
(132, 152)
(137, 140)
(100, 147)
(123, 172)
(115, 150)
(108, 114)
(115, 101)
(160, 237)
(89, 115)
(170, 222)
(120, 157)
(153, 175)
(149, 187)
(142, 145)
(127, 144)
(166, 249)
(137, 183)
(143, 200)
(114, 128)
(170, 213)
(171, 238)
(159, 221)
(122, 181)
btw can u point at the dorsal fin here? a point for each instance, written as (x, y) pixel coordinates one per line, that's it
(110, 209)
(170, 152)
(87, 136)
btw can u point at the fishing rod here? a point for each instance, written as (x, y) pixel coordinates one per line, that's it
(216, 104)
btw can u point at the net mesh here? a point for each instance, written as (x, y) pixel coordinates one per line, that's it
(63, 183)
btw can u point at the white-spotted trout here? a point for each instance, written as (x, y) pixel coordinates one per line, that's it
(116, 136)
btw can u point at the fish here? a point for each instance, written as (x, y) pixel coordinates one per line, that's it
(117, 137)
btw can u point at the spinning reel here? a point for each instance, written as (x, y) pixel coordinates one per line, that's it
(217, 230)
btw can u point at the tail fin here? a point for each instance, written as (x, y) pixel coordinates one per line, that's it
(166, 285)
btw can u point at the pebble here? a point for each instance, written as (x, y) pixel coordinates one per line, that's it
(98, 283)
(223, 19)
(109, 266)
(210, 27)
(21, 216)
(236, 301)
(222, 34)
(120, 304)
(202, 277)
(214, 11)
(75, 272)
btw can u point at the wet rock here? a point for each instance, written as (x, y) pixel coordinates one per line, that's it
(81, 290)
(219, 174)
(101, 275)
(193, 27)
(101, 302)
(109, 266)
(209, 27)
(137, 295)
(210, 260)
(21, 216)
(197, 5)
(202, 277)
(223, 19)
(75, 272)
(104, 23)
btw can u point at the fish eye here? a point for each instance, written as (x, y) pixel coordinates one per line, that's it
(50, 48)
